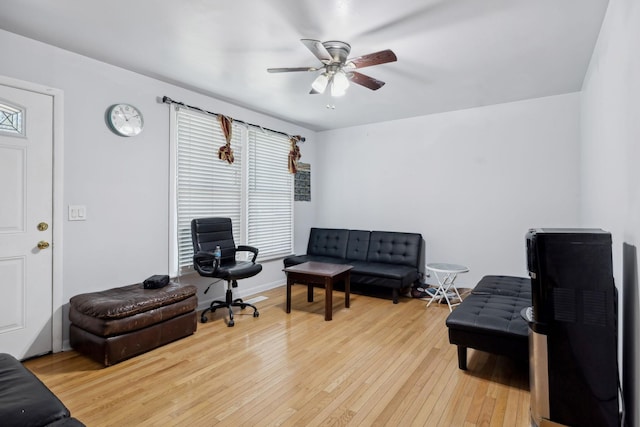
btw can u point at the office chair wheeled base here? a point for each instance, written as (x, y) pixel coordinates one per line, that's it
(229, 303)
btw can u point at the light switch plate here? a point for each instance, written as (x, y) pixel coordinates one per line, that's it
(77, 213)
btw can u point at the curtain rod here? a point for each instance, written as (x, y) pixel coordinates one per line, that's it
(167, 100)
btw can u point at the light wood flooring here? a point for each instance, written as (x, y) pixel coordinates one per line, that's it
(374, 364)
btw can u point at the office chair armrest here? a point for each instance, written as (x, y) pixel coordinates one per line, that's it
(202, 258)
(245, 248)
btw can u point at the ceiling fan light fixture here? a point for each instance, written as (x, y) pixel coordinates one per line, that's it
(320, 83)
(338, 69)
(339, 83)
(336, 92)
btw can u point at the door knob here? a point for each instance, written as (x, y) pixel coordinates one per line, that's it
(43, 245)
(43, 226)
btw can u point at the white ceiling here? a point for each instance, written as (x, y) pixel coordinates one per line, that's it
(452, 54)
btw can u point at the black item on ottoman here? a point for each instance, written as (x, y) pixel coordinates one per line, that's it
(117, 324)
(489, 319)
(26, 401)
(156, 281)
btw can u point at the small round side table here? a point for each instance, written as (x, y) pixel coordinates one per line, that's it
(445, 275)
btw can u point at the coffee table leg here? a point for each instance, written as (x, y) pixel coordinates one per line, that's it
(328, 299)
(309, 292)
(289, 283)
(347, 290)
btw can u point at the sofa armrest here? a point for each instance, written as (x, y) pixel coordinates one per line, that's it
(24, 399)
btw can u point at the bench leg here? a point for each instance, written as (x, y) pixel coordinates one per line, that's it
(462, 357)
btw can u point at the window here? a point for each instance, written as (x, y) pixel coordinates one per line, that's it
(270, 195)
(256, 191)
(11, 119)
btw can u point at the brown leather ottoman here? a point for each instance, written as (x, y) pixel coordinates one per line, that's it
(116, 324)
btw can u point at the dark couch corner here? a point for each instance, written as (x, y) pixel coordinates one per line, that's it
(26, 401)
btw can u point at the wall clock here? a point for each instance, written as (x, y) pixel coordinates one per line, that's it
(125, 119)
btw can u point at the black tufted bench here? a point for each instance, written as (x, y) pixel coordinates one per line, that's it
(380, 259)
(489, 319)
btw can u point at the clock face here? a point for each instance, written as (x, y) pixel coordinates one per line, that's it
(125, 120)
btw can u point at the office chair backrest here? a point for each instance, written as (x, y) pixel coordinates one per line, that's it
(207, 233)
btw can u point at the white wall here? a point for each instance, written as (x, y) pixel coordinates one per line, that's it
(472, 181)
(610, 174)
(123, 182)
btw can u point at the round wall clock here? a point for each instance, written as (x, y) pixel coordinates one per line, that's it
(125, 119)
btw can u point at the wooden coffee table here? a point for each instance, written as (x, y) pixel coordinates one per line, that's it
(319, 273)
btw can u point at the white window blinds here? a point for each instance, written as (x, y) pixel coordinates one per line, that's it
(256, 191)
(270, 195)
(206, 185)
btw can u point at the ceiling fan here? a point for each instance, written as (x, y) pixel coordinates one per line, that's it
(337, 70)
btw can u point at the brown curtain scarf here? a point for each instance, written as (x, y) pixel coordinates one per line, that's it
(225, 152)
(294, 154)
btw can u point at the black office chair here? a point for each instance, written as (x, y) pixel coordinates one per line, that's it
(206, 234)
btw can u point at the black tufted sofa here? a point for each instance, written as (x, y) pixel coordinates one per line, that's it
(489, 319)
(26, 401)
(379, 258)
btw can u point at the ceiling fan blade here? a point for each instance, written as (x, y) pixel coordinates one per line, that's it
(313, 92)
(381, 57)
(286, 70)
(317, 48)
(366, 81)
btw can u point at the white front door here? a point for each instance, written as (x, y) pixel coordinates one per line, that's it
(26, 213)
